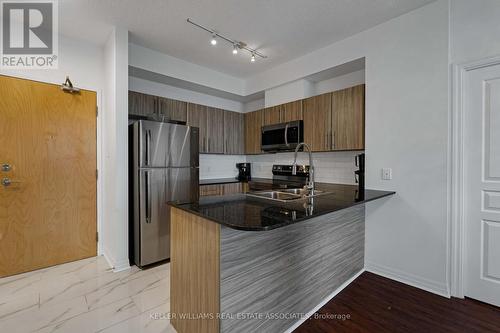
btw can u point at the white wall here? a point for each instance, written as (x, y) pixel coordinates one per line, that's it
(219, 166)
(340, 82)
(254, 105)
(289, 92)
(332, 167)
(82, 61)
(474, 29)
(115, 138)
(159, 89)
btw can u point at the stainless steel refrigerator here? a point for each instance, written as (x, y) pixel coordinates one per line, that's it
(164, 167)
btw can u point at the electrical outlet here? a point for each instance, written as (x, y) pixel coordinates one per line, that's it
(386, 173)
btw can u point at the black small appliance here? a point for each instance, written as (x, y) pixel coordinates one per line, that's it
(243, 171)
(360, 175)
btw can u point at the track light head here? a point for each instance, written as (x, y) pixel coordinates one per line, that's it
(235, 49)
(252, 58)
(214, 40)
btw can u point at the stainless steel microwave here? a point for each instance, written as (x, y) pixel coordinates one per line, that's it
(282, 137)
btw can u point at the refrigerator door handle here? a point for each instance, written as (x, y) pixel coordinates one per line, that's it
(148, 197)
(148, 146)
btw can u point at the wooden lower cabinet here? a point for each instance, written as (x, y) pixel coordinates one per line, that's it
(223, 189)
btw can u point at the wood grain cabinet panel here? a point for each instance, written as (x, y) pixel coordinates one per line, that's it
(348, 118)
(215, 130)
(253, 129)
(195, 272)
(221, 189)
(210, 190)
(317, 112)
(291, 111)
(142, 104)
(171, 109)
(234, 128)
(272, 115)
(197, 117)
(232, 188)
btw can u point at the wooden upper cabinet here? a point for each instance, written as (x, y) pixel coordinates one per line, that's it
(272, 115)
(215, 130)
(348, 118)
(142, 104)
(197, 117)
(291, 111)
(234, 128)
(253, 131)
(170, 109)
(317, 113)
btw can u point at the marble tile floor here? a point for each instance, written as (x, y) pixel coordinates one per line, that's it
(86, 296)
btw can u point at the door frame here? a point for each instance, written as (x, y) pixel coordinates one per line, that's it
(457, 252)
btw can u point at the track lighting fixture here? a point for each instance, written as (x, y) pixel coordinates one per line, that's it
(237, 45)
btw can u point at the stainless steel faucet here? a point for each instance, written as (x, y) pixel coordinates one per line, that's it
(310, 181)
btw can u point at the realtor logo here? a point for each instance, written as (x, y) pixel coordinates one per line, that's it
(29, 34)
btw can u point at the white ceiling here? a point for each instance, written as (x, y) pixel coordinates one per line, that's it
(281, 29)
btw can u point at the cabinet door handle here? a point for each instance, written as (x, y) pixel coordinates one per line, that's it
(333, 139)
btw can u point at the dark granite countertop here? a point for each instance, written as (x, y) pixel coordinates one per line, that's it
(244, 212)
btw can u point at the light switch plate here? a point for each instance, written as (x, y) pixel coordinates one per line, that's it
(386, 173)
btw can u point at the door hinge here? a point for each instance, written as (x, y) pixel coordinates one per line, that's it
(96, 236)
(97, 111)
(96, 174)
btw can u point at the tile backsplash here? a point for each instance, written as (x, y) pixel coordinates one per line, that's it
(219, 166)
(331, 167)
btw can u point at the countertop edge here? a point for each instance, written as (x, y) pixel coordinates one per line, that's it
(277, 226)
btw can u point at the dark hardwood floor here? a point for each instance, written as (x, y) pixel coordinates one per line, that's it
(376, 304)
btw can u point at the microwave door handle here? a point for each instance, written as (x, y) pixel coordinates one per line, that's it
(286, 135)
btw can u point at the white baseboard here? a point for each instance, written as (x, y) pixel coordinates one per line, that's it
(434, 287)
(116, 265)
(323, 302)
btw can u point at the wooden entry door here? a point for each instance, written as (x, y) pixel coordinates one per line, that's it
(48, 141)
(482, 184)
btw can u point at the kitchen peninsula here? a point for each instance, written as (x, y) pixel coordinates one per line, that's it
(239, 262)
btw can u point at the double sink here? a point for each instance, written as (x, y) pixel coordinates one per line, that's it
(286, 194)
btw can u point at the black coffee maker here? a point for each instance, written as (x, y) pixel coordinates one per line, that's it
(243, 171)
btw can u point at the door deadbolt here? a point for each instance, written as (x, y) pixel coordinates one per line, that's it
(6, 182)
(6, 167)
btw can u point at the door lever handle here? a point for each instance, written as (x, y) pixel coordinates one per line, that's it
(6, 167)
